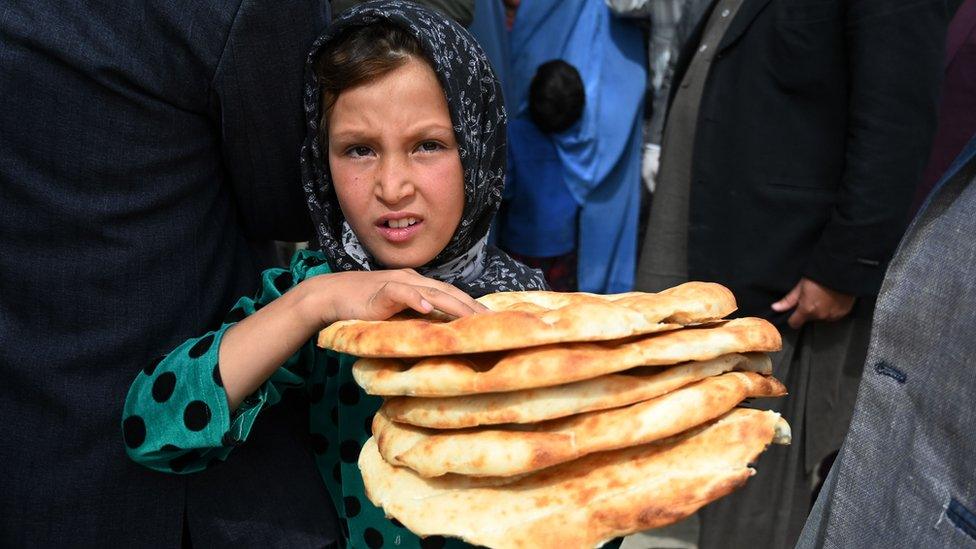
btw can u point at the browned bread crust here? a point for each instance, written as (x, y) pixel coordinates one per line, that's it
(557, 364)
(525, 319)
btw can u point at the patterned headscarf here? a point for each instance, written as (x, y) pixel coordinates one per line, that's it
(478, 115)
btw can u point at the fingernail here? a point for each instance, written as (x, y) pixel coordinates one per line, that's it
(426, 305)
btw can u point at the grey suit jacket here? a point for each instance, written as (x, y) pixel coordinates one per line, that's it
(906, 476)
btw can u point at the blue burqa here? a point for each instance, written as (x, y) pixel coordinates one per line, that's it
(601, 152)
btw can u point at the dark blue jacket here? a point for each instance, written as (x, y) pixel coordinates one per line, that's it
(146, 148)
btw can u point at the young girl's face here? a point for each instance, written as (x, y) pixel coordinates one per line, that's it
(395, 165)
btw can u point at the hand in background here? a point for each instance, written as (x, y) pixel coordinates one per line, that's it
(650, 163)
(813, 301)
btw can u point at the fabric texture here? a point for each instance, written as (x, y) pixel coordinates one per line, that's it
(148, 156)
(539, 216)
(664, 259)
(462, 11)
(957, 106)
(601, 152)
(478, 112)
(904, 477)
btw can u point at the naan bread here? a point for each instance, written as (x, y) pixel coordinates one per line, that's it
(559, 364)
(535, 405)
(516, 450)
(583, 503)
(526, 319)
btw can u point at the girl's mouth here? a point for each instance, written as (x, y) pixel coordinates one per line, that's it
(401, 229)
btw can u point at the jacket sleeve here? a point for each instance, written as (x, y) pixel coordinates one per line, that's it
(176, 417)
(257, 92)
(894, 90)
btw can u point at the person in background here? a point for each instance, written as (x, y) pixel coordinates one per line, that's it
(148, 157)
(794, 140)
(488, 28)
(539, 217)
(601, 153)
(957, 107)
(670, 22)
(904, 477)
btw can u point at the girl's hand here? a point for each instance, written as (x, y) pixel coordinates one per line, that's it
(254, 348)
(378, 295)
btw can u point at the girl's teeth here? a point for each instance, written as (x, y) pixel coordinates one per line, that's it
(400, 223)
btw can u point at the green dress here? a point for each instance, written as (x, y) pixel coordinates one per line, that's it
(177, 420)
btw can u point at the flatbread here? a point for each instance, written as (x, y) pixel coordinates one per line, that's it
(525, 319)
(559, 364)
(583, 503)
(516, 450)
(535, 405)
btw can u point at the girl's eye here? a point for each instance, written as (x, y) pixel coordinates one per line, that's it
(430, 146)
(358, 151)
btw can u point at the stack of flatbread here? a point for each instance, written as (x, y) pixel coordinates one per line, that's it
(563, 419)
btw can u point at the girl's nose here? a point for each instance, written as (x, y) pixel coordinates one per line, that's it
(393, 181)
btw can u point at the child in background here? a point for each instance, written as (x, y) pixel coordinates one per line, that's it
(403, 169)
(538, 222)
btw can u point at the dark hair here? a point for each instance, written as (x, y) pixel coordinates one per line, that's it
(358, 55)
(556, 96)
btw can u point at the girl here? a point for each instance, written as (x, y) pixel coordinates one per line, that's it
(403, 168)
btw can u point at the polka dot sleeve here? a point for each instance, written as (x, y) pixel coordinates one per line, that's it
(176, 416)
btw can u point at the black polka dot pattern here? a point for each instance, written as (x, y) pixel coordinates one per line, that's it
(169, 448)
(201, 347)
(316, 393)
(352, 506)
(216, 376)
(163, 387)
(320, 444)
(349, 393)
(282, 282)
(179, 464)
(196, 415)
(349, 451)
(433, 542)
(151, 367)
(373, 538)
(134, 431)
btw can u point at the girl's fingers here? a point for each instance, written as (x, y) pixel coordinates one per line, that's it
(417, 279)
(448, 303)
(394, 297)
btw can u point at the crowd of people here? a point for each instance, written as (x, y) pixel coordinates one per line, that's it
(817, 158)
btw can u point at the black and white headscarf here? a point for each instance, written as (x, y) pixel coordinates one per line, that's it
(478, 115)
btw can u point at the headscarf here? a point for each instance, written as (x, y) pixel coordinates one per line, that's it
(478, 115)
